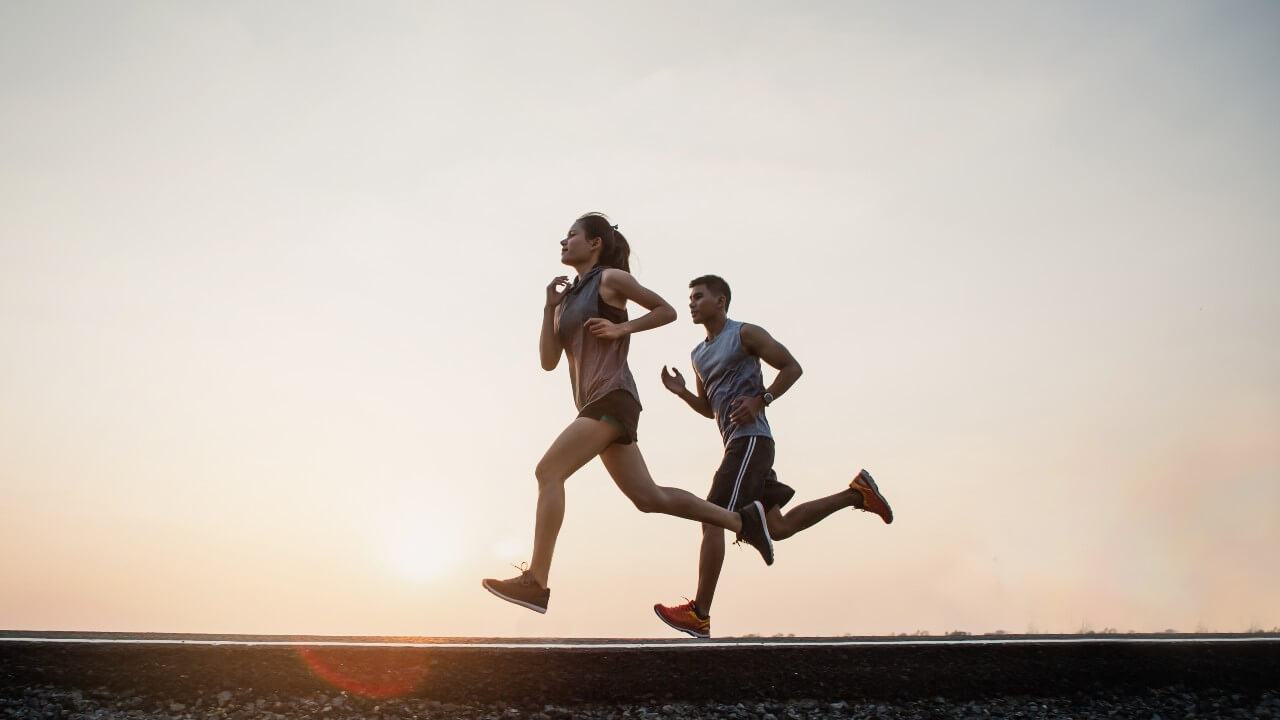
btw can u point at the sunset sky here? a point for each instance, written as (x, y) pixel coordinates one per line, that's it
(271, 278)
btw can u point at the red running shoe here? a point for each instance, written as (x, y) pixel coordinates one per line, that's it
(684, 619)
(872, 500)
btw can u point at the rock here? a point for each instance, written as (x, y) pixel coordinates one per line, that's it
(224, 697)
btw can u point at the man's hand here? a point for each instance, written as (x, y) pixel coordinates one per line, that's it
(746, 409)
(554, 294)
(673, 382)
(604, 329)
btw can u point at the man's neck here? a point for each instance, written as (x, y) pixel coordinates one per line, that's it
(715, 325)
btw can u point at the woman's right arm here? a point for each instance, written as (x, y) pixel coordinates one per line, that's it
(549, 348)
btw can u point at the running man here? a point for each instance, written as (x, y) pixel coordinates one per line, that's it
(731, 390)
(586, 322)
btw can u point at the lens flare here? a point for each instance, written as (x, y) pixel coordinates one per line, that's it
(371, 672)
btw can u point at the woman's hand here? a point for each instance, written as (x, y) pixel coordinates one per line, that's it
(604, 329)
(554, 294)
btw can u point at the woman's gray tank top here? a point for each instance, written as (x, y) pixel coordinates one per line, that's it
(729, 371)
(597, 366)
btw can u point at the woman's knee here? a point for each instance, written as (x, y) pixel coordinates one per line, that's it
(547, 474)
(649, 502)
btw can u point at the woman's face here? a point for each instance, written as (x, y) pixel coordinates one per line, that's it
(575, 247)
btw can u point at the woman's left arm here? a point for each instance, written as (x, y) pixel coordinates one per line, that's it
(619, 285)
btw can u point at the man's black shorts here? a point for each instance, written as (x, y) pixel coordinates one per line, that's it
(620, 408)
(746, 474)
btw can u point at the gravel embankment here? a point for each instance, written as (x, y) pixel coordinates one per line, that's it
(1164, 703)
(1171, 681)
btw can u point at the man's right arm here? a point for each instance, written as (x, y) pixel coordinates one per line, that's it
(675, 383)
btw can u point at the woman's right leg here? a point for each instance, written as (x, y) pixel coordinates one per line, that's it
(584, 439)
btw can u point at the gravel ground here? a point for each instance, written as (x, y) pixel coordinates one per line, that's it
(1170, 681)
(1165, 703)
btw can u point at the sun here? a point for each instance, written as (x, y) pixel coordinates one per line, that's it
(419, 550)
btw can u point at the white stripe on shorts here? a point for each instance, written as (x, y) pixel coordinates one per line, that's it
(746, 460)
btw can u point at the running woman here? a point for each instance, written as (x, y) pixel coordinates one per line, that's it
(731, 390)
(586, 322)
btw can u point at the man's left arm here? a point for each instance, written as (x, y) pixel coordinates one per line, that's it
(759, 342)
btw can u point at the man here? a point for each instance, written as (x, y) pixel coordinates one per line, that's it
(731, 390)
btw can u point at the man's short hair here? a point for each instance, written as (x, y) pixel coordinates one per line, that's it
(716, 285)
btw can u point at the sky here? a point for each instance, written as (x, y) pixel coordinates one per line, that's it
(271, 278)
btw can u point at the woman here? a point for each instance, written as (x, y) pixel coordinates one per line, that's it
(586, 321)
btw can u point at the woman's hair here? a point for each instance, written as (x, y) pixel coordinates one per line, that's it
(614, 249)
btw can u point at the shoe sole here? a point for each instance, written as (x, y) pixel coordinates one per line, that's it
(673, 626)
(536, 608)
(876, 489)
(764, 525)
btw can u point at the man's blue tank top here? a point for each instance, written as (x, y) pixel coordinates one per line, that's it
(729, 371)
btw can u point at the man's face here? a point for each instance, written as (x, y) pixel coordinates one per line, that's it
(703, 305)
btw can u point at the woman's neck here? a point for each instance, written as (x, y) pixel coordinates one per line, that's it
(583, 268)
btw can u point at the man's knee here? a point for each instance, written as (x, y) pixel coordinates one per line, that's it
(779, 529)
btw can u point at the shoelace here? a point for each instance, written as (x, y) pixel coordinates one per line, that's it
(694, 610)
(523, 567)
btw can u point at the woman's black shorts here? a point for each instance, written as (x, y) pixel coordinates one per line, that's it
(620, 408)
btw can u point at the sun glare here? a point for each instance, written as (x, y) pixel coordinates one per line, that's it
(419, 551)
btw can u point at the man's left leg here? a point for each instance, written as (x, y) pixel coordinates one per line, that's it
(862, 494)
(806, 515)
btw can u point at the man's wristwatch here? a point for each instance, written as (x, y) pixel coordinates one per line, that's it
(767, 398)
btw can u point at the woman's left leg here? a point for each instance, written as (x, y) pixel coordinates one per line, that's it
(627, 468)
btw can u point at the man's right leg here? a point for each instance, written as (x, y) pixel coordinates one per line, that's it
(694, 617)
(741, 476)
(710, 562)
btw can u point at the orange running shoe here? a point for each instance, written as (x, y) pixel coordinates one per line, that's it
(684, 619)
(872, 500)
